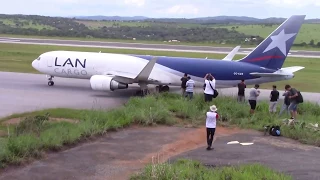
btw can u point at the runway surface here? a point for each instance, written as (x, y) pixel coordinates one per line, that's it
(22, 92)
(141, 46)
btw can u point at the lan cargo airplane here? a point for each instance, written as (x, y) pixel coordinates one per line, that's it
(109, 72)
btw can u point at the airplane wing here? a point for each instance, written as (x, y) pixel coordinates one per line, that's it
(130, 78)
(231, 54)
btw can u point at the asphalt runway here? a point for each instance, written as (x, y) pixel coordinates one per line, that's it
(141, 46)
(22, 92)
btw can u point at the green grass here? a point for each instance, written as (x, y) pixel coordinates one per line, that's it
(100, 24)
(157, 109)
(150, 42)
(306, 34)
(18, 58)
(188, 169)
(307, 31)
(29, 24)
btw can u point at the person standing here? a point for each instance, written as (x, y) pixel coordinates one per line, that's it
(254, 93)
(189, 87)
(210, 85)
(211, 122)
(286, 103)
(293, 102)
(274, 96)
(184, 80)
(241, 89)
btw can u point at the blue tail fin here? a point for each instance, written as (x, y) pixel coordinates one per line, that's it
(272, 52)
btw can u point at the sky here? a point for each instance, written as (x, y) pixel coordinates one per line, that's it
(164, 8)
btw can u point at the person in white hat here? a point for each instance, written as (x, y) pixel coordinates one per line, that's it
(211, 122)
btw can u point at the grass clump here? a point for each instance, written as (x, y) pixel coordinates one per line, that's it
(36, 134)
(188, 169)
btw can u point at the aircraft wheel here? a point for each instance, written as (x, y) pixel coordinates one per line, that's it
(50, 83)
(165, 88)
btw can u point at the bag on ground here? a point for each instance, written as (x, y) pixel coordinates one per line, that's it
(275, 131)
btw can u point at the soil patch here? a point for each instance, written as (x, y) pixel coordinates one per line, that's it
(117, 155)
(15, 121)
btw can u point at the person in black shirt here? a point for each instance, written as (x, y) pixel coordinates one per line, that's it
(241, 88)
(274, 96)
(286, 103)
(184, 80)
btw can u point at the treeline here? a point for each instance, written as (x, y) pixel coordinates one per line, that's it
(67, 27)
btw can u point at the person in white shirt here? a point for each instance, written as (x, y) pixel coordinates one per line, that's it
(210, 85)
(211, 122)
(189, 87)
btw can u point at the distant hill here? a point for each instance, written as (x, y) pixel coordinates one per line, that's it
(111, 18)
(205, 20)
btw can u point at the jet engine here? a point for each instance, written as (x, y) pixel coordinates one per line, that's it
(106, 83)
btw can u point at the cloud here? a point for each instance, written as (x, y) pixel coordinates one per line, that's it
(163, 8)
(138, 3)
(182, 9)
(297, 4)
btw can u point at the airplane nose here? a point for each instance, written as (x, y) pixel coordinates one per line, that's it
(35, 64)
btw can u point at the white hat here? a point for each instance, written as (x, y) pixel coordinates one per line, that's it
(213, 108)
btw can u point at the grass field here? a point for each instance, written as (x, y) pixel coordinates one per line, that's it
(27, 24)
(18, 58)
(151, 42)
(100, 24)
(188, 169)
(306, 34)
(36, 134)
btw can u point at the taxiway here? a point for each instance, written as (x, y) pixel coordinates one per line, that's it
(141, 46)
(22, 92)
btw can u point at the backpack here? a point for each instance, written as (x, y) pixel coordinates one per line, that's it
(299, 98)
(275, 131)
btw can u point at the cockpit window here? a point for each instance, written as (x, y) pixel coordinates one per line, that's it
(38, 58)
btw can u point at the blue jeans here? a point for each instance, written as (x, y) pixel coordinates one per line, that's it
(190, 94)
(293, 106)
(284, 108)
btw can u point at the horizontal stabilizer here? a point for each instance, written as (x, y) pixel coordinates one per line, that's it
(267, 74)
(231, 54)
(292, 69)
(288, 71)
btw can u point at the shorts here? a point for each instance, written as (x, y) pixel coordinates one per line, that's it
(253, 104)
(293, 106)
(208, 97)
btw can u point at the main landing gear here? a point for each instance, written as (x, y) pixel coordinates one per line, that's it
(145, 91)
(162, 88)
(50, 83)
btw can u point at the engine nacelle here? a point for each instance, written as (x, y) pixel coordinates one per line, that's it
(106, 83)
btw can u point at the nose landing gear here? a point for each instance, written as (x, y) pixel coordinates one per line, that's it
(50, 83)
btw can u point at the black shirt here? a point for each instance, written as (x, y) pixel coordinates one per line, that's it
(274, 95)
(241, 88)
(183, 82)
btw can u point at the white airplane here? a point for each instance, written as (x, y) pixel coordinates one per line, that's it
(109, 72)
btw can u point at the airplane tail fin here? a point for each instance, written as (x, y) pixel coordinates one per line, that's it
(272, 52)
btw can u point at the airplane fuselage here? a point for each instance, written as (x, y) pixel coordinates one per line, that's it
(167, 71)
